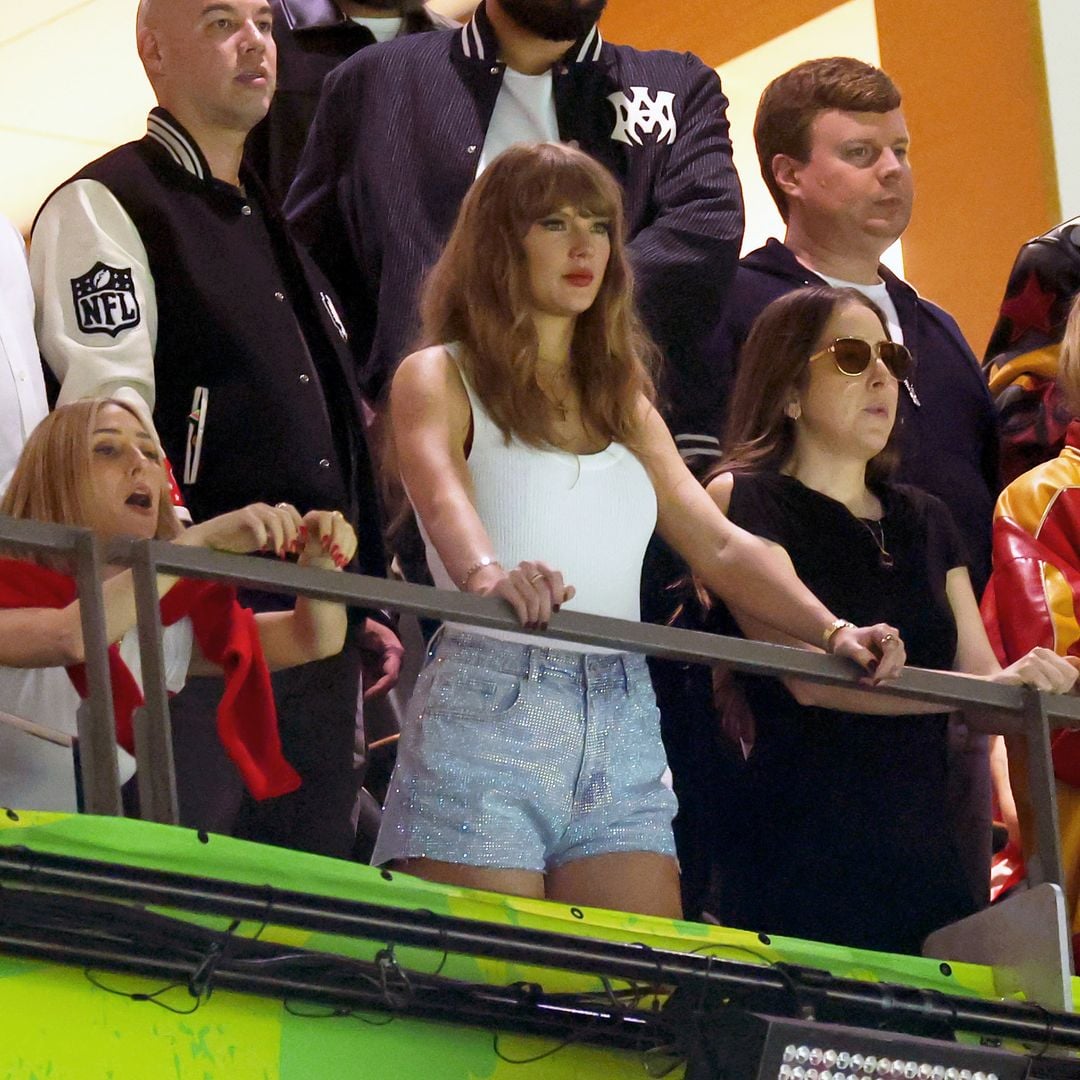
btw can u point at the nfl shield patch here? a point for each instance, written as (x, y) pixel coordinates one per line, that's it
(104, 299)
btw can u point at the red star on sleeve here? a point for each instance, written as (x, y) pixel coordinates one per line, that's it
(1029, 309)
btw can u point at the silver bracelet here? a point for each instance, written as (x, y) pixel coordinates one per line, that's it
(485, 560)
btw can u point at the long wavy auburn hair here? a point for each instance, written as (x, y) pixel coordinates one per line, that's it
(478, 294)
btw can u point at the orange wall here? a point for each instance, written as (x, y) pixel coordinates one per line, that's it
(975, 99)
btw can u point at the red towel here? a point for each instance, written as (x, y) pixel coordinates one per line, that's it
(227, 635)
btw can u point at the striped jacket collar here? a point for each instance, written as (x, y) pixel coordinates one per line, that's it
(168, 132)
(476, 41)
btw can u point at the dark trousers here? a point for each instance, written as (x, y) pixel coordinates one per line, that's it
(969, 802)
(318, 708)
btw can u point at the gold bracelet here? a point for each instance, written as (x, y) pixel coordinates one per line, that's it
(485, 560)
(831, 631)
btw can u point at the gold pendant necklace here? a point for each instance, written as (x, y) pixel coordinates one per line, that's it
(876, 529)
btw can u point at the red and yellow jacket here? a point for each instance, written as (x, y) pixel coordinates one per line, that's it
(1033, 597)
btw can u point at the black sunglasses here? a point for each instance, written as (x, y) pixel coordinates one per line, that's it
(852, 356)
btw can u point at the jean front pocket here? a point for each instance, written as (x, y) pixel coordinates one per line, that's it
(468, 691)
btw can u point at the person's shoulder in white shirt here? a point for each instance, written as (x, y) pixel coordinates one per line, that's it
(22, 386)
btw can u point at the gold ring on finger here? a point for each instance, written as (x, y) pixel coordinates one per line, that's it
(888, 639)
(281, 506)
(536, 577)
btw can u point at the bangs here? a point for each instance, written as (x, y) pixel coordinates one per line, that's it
(562, 181)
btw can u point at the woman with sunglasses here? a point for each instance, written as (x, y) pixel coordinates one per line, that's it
(844, 836)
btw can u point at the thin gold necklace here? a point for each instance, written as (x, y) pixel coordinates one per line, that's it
(876, 528)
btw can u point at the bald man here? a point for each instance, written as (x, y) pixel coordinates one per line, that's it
(164, 277)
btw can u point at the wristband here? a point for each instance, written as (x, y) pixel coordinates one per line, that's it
(486, 560)
(831, 630)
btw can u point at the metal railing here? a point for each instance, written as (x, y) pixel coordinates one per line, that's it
(987, 707)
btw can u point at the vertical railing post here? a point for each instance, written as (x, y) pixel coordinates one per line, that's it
(153, 730)
(1047, 866)
(96, 725)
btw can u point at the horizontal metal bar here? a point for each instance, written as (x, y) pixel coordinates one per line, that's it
(23, 533)
(947, 689)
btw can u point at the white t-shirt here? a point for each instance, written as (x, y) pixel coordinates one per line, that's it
(524, 113)
(879, 294)
(383, 29)
(39, 775)
(22, 387)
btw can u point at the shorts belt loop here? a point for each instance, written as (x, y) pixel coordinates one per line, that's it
(625, 673)
(433, 644)
(535, 655)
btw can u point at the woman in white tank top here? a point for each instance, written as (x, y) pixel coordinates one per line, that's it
(538, 467)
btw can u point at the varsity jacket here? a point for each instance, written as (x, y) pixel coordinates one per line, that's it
(948, 426)
(395, 145)
(312, 38)
(1021, 361)
(161, 285)
(1033, 598)
(1034, 593)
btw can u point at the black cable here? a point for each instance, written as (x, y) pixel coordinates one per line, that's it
(999, 1019)
(566, 1043)
(137, 996)
(340, 1013)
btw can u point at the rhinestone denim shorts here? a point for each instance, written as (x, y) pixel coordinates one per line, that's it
(523, 757)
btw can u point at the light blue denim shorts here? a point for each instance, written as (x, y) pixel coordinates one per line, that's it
(523, 757)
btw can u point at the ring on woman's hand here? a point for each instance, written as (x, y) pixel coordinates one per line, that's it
(888, 639)
(281, 506)
(536, 577)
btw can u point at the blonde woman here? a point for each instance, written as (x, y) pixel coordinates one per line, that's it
(94, 464)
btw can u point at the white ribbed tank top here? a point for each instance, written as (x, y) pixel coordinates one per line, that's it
(588, 515)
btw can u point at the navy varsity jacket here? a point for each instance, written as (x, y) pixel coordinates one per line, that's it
(395, 146)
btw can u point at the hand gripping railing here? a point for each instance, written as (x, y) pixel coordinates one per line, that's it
(988, 707)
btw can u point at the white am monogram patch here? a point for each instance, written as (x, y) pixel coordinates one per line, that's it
(643, 113)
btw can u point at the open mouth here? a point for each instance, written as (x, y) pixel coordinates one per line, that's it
(139, 499)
